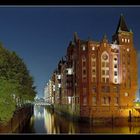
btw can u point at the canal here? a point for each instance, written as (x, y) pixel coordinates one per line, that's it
(45, 121)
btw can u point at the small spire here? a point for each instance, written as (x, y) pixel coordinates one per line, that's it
(105, 37)
(130, 30)
(75, 37)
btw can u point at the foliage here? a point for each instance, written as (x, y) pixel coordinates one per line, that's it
(16, 84)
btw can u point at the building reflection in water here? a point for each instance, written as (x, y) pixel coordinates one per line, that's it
(46, 121)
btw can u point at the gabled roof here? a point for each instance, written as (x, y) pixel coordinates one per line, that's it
(122, 25)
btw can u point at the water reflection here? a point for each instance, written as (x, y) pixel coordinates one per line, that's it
(46, 121)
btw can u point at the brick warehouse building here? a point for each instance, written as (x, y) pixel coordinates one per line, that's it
(97, 79)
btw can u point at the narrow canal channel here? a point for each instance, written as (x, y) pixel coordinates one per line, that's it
(45, 121)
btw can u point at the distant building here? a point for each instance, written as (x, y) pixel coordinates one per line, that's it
(97, 79)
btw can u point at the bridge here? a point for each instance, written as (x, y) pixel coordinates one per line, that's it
(41, 103)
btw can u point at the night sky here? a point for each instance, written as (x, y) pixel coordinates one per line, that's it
(40, 35)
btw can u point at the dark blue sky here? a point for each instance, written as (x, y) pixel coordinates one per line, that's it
(40, 35)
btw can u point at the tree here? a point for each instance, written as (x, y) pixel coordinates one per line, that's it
(16, 84)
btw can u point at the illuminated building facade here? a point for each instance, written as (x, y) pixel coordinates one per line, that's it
(99, 79)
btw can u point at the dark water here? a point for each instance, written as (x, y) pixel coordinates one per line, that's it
(45, 121)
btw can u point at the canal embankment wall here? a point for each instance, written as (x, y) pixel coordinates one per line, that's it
(18, 121)
(117, 117)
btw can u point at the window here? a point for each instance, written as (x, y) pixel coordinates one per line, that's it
(115, 66)
(84, 72)
(107, 72)
(125, 40)
(103, 80)
(128, 40)
(115, 59)
(126, 94)
(115, 73)
(93, 71)
(107, 80)
(115, 80)
(94, 79)
(116, 89)
(84, 100)
(116, 100)
(94, 89)
(94, 100)
(93, 48)
(84, 91)
(84, 63)
(122, 39)
(103, 72)
(105, 57)
(128, 59)
(105, 89)
(84, 79)
(93, 64)
(106, 100)
(107, 64)
(84, 47)
(103, 64)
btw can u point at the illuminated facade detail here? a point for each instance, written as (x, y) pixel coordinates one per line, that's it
(102, 77)
(105, 67)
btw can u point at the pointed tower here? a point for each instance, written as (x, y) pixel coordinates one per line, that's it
(123, 35)
(75, 37)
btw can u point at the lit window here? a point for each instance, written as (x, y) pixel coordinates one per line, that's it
(58, 76)
(93, 48)
(122, 39)
(69, 71)
(84, 47)
(125, 40)
(127, 49)
(59, 85)
(69, 100)
(126, 94)
(128, 40)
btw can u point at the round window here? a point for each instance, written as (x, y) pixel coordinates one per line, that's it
(105, 57)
